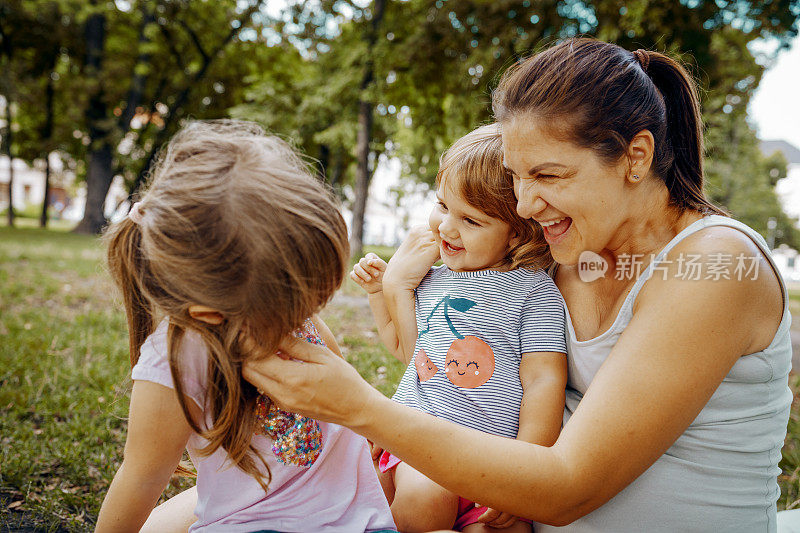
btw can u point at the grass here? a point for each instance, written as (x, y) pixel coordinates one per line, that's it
(64, 381)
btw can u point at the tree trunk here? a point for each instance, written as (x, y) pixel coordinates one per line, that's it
(99, 174)
(47, 134)
(98, 181)
(363, 174)
(10, 164)
(363, 177)
(324, 161)
(46, 201)
(338, 171)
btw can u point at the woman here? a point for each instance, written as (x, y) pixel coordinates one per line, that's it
(678, 400)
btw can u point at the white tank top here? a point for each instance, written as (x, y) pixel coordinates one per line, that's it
(721, 473)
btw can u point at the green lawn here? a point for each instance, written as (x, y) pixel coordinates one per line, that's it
(64, 378)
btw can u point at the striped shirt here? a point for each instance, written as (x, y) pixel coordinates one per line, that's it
(473, 328)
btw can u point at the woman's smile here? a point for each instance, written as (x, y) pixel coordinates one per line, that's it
(555, 230)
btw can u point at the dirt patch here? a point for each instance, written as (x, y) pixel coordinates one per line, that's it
(15, 519)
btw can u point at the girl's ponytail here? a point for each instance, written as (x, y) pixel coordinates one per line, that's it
(126, 262)
(682, 162)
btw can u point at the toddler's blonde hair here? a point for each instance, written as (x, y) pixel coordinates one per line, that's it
(473, 167)
(232, 219)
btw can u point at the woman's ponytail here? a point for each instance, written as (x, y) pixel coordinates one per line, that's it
(681, 164)
(126, 263)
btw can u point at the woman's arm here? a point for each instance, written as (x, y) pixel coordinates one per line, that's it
(157, 435)
(683, 339)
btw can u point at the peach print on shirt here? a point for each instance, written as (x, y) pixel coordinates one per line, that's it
(469, 360)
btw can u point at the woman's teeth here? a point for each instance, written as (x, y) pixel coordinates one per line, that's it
(556, 228)
(551, 222)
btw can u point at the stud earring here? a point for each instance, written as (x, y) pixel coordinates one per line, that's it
(635, 177)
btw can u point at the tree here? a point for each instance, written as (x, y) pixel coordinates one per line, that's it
(419, 73)
(436, 63)
(322, 93)
(43, 35)
(365, 107)
(150, 67)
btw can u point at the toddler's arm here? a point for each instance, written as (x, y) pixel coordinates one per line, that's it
(157, 435)
(544, 380)
(368, 273)
(407, 268)
(327, 335)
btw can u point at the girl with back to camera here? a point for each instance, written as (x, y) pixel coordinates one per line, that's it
(488, 338)
(233, 247)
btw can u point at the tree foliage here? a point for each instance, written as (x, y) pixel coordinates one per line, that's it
(438, 61)
(301, 72)
(126, 74)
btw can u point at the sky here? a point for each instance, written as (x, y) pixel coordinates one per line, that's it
(775, 108)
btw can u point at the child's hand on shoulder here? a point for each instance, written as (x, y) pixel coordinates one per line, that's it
(496, 519)
(412, 260)
(368, 273)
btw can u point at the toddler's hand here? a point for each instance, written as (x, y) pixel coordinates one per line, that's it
(368, 273)
(375, 450)
(496, 519)
(413, 259)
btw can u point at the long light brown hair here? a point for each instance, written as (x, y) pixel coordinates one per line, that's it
(473, 166)
(231, 219)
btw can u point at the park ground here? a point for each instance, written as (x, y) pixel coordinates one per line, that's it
(64, 379)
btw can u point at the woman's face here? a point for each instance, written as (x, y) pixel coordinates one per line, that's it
(577, 198)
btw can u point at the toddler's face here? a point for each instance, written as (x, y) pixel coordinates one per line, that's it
(468, 239)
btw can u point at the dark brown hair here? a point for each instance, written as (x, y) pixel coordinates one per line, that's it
(600, 96)
(473, 166)
(233, 220)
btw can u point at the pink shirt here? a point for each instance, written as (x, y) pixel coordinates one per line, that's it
(339, 492)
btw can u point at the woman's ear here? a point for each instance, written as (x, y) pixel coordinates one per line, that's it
(206, 314)
(640, 155)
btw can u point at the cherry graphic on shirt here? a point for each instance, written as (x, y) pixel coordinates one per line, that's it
(470, 361)
(425, 367)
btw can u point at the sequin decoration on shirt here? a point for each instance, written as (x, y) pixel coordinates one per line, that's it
(297, 439)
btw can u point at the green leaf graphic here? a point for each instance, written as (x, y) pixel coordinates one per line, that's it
(461, 304)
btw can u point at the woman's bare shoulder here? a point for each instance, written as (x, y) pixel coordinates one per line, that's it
(718, 265)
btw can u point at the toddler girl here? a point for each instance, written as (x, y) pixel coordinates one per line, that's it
(489, 348)
(233, 247)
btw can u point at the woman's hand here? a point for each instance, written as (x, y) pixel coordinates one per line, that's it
(412, 260)
(313, 382)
